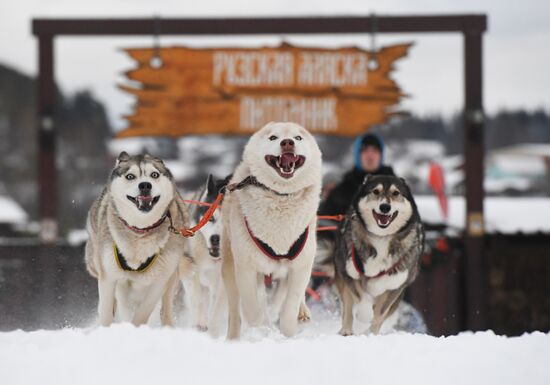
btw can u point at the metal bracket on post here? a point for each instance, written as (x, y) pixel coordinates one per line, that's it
(476, 224)
(156, 60)
(48, 230)
(475, 116)
(372, 63)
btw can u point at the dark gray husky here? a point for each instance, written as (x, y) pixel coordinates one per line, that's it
(377, 252)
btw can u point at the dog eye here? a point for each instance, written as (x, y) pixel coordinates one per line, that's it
(395, 193)
(272, 138)
(155, 175)
(298, 137)
(376, 191)
(130, 176)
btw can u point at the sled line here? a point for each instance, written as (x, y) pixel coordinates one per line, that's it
(337, 218)
(249, 180)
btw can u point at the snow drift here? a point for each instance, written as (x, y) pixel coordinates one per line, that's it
(123, 354)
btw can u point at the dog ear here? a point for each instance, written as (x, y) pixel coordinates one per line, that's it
(408, 192)
(153, 158)
(122, 157)
(366, 179)
(211, 185)
(404, 182)
(268, 124)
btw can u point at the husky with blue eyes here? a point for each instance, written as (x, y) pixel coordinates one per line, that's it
(130, 250)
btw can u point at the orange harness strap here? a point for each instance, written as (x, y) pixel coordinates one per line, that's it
(185, 232)
(213, 206)
(197, 202)
(337, 218)
(327, 228)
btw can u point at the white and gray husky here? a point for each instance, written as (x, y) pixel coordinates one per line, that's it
(204, 293)
(377, 252)
(269, 224)
(130, 249)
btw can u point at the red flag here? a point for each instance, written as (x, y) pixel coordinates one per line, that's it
(437, 183)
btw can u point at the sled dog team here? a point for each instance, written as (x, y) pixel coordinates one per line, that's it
(266, 227)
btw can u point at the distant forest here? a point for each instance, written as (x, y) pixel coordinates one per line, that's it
(84, 131)
(503, 129)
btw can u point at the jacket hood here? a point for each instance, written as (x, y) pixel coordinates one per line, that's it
(357, 148)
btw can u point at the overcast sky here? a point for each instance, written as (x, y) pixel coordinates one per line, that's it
(516, 46)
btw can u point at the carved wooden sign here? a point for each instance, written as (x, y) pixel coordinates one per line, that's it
(237, 91)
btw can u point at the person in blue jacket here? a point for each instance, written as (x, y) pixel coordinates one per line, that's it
(369, 157)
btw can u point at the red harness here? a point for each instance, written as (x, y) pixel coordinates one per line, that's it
(292, 253)
(360, 269)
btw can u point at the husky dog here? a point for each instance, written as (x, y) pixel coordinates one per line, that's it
(377, 255)
(269, 224)
(130, 249)
(203, 286)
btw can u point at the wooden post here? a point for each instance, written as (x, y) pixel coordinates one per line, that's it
(475, 263)
(47, 172)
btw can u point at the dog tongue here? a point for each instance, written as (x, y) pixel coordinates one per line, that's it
(288, 160)
(144, 200)
(384, 219)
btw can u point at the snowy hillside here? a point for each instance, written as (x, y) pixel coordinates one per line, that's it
(123, 354)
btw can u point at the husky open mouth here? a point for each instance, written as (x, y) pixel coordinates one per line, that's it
(144, 203)
(384, 220)
(286, 164)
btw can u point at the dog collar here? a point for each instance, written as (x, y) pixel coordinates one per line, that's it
(292, 253)
(123, 265)
(361, 270)
(142, 230)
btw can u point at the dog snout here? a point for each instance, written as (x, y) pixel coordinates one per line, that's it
(215, 240)
(385, 208)
(287, 145)
(145, 187)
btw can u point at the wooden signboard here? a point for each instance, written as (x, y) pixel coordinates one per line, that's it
(237, 91)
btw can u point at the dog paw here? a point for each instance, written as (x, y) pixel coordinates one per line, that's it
(304, 314)
(345, 332)
(201, 328)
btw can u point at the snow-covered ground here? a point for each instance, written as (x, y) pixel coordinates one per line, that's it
(502, 214)
(123, 354)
